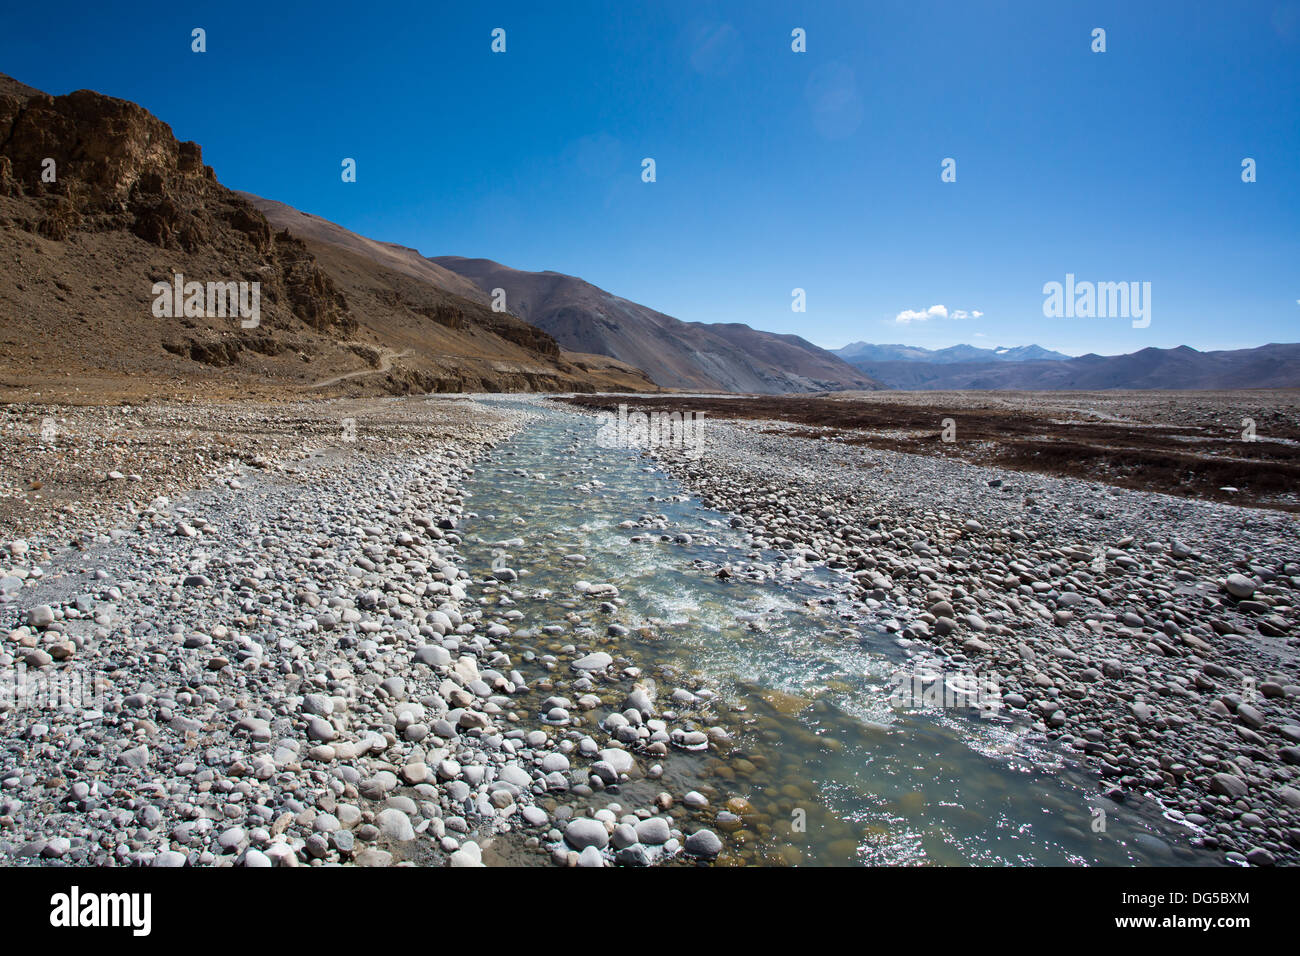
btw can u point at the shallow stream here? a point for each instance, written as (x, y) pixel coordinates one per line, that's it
(834, 772)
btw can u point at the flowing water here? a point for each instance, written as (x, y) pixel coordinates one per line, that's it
(832, 771)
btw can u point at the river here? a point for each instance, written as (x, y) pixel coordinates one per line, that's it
(834, 771)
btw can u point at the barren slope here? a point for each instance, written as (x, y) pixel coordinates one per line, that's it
(676, 354)
(132, 206)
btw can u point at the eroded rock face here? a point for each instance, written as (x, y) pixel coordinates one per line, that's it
(128, 207)
(119, 168)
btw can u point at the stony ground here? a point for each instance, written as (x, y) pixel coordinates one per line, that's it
(1156, 635)
(1238, 447)
(264, 647)
(290, 666)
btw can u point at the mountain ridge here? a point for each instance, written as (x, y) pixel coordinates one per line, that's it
(865, 351)
(130, 206)
(696, 356)
(1275, 365)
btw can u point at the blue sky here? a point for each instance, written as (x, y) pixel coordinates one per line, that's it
(775, 169)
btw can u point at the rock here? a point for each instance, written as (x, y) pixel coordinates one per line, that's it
(281, 854)
(654, 831)
(590, 857)
(56, 848)
(1260, 857)
(1239, 586)
(415, 773)
(381, 783)
(703, 843)
(395, 825)
(232, 839)
(640, 700)
(40, 616)
(317, 704)
(620, 760)
(624, 836)
(469, 854)
(554, 762)
(136, 758)
(37, 658)
(1249, 716)
(634, 855)
(319, 729)
(433, 656)
(1229, 785)
(535, 816)
(583, 832)
(593, 662)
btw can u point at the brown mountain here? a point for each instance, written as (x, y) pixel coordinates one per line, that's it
(676, 354)
(397, 291)
(130, 206)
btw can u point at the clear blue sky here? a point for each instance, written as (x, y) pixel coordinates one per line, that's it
(775, 170)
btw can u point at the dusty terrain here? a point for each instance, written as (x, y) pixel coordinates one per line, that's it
(1182, 443)
(72, 472)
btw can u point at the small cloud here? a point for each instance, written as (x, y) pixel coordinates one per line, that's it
(935, 312)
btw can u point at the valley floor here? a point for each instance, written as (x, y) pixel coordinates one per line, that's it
(1157, 635)
(289, 651)
(1241, 447)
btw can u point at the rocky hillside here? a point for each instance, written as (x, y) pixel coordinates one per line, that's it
(124, 205)
(685, 355)
(417, 309)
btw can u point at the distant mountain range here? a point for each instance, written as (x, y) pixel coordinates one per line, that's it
(1027, 368)
(132, 206)
(684, 355)
(857, 352)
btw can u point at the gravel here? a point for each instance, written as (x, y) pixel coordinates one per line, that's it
(1154, 636)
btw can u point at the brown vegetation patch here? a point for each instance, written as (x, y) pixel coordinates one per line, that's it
(1186, 443)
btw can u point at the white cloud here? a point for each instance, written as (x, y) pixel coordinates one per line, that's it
(935, 312)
